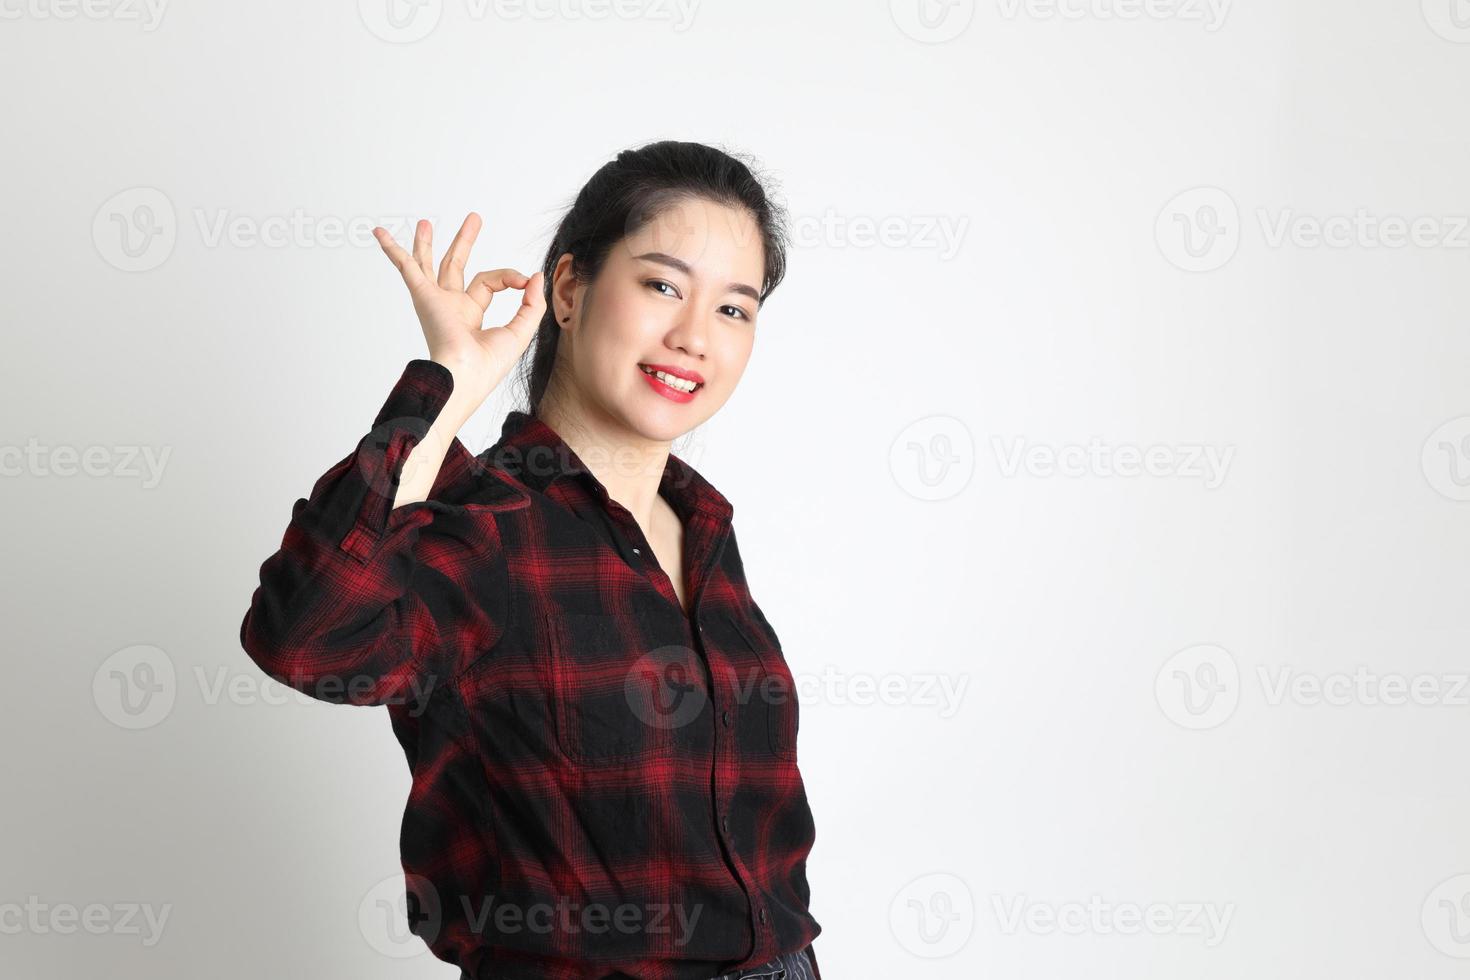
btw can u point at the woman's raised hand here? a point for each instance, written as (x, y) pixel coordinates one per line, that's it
(452, 314)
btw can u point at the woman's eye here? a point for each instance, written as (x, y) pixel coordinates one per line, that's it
(660, 285)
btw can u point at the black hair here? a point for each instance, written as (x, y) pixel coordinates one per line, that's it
(625, 194)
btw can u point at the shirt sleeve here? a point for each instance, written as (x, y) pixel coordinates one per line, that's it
(811, 954)
(369, 604)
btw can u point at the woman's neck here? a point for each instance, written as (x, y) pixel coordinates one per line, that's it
(628, 465)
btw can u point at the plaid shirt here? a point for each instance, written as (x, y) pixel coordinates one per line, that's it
(603, 786)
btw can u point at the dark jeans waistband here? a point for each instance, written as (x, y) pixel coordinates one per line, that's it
(787, 966)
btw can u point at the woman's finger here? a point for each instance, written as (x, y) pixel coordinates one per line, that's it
(485, 285)
(412, 275)
(451, 270)
(423, 252)
(533, 304)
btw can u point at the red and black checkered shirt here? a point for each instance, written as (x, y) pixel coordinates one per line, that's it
(603, 785)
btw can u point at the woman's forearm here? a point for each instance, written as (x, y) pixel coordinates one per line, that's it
(422, 466)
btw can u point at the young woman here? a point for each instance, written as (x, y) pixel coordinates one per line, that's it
(599, 719)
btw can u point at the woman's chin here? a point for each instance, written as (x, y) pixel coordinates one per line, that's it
(660, 423)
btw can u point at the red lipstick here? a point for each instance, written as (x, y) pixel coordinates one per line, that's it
(667, 390)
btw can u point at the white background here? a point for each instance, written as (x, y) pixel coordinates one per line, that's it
(1020, 227)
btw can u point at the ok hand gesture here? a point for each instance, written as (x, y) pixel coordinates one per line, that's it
(452, 314)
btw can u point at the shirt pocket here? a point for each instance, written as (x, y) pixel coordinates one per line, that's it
(775, 695)
(604, 700)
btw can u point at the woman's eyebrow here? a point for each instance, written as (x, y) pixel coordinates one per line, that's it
(677, 263)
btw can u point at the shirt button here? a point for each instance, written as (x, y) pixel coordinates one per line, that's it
(726, 717)
(763, 915)
(637, 552)
(725, 822)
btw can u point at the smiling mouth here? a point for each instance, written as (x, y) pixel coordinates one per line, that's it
(673, 381)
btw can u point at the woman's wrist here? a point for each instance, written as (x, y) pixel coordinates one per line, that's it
(469, 390)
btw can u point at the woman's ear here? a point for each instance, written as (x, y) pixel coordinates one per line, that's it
(563, 288)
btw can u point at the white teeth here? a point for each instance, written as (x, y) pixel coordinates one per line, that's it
(674, 382)
(671, 380)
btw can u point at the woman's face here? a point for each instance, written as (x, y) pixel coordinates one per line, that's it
(678, 295)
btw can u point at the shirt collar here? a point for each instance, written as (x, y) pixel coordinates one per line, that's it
(532, 451)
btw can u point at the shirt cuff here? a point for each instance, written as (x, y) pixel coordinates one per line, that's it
(405, 418)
